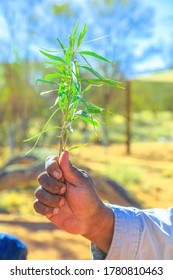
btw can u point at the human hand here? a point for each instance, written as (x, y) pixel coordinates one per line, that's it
(67, 197)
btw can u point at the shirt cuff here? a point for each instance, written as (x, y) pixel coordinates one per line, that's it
(126, 236)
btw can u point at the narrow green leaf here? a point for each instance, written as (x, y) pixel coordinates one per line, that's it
(77, 147)
(53, 57)
(91, 81)
(74, 32)
(77, 68)
(94, 55)
(56, 102)
(48, 91)
(94, 123)
(75, 80)
(32, 137)
(87, 89)
(93, 109)
(46, 81)
(51, 51)
(52, 76)
(62, 46)
(86, 60)
(39, 134)
(91, 70)
(74, 100)
(113, 83)
(81, 35)
(70, 42)
(52, 63)
(68, 57)
(96, 39)
(49, 119)
(84, 116)
(107, 81)
(43, 130)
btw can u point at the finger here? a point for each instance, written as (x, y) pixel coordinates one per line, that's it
(72, 174)
(45, 210)
(53, 168)
(51, 184)
(48, 199)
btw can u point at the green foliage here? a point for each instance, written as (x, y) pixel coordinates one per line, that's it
(72, 103)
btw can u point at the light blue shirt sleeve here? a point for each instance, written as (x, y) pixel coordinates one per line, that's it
(139, 235)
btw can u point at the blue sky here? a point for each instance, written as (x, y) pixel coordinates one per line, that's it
(163, 31)
(163, 7)
(163, 13)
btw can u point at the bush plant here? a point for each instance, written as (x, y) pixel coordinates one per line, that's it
(72, 102)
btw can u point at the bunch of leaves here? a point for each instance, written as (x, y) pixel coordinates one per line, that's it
(71, 87)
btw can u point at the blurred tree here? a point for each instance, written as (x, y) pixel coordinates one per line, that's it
(18, 101)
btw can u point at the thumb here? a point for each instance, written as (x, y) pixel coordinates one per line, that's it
(70, 173)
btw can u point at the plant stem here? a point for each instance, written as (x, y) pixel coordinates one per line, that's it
(66, 119)
(62, 140)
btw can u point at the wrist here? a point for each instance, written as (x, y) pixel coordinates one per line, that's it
(100, 232)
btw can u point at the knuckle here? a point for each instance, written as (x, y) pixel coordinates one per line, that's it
(46, 181)
(87, 177)
(42, 209)
(50, 168)
(50, 160)
(36, 206)
(41, 177)
(36, 191)
(39, 193)
(47, 198)
(53, 200)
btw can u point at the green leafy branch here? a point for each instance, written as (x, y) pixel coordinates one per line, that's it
(71, 101)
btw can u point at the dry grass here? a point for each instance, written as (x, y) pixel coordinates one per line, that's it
(147, 173)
